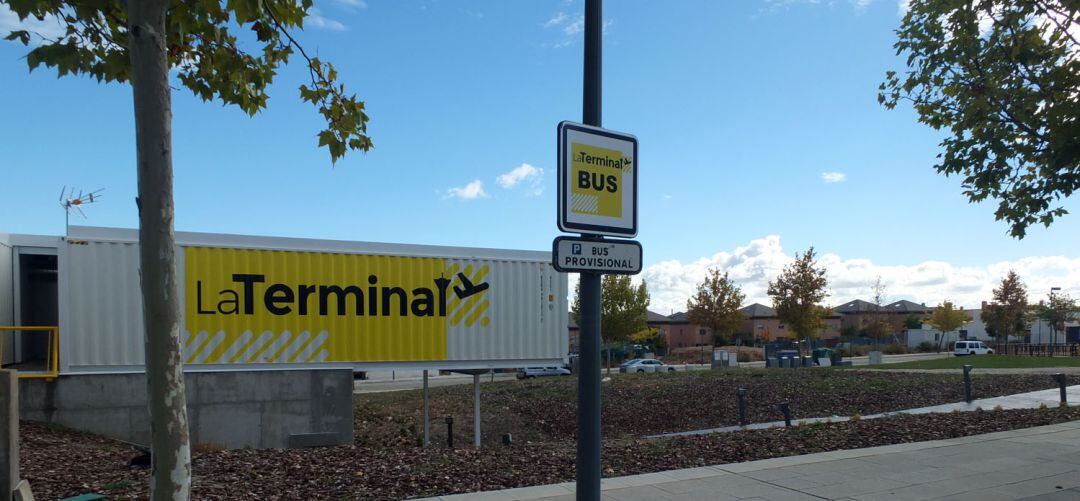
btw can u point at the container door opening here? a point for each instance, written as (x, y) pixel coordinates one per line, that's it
(38, 306)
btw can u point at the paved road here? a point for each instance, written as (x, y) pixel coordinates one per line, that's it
(414, 383)
(976, 370)
(1029, 400)
(379, 386)
(1032, 464)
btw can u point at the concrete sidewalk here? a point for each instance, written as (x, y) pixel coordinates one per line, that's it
(1040, 463)
(1029, 400)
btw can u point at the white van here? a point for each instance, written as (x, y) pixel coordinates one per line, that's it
(971, 348)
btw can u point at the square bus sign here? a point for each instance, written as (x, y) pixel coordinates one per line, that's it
(598, 172)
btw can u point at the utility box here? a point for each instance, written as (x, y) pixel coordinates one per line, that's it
(722, 358)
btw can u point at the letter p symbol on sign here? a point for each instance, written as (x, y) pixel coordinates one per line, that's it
(575, 249)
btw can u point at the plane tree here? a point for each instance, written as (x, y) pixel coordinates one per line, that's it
(947, 317)
(139, 43)
(715, 304)
(797, 294)
(1000, 79)
(1008, 314)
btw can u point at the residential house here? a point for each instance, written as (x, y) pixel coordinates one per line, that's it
(898, 312)
(858, 314)
(766, 326)
(680, 333)
(666, 325)
(762, 322)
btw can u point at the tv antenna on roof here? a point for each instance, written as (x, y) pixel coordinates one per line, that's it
(72, 202)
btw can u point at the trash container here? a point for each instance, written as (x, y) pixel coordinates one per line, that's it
(791, 357)
(820, 353)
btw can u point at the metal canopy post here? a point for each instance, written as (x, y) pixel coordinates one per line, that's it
(476, 410)
(588, 446)
(427, 416)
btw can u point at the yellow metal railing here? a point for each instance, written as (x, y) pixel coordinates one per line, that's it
(52, 357)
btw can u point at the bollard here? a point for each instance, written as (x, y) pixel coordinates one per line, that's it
(785, 407)
(450, 431)
(742, 406)
(1060, 378)
(967, 383)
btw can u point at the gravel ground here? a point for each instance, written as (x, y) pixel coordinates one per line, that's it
(62, 463)
(637, 405)
(1014, 371)
(386, 463)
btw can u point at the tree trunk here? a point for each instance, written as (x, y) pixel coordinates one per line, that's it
(171, 476)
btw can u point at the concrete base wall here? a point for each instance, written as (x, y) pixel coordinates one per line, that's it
(258, 409)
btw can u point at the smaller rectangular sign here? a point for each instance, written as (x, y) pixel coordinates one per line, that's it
(575, 255)
(597, 187)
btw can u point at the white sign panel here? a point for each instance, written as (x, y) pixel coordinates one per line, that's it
(621, 257)
(598, 172)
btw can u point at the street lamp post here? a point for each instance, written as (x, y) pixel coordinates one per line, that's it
(1053, 326)
(701, 333)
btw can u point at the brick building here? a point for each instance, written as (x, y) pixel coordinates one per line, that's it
(766, 326)
(680, 333)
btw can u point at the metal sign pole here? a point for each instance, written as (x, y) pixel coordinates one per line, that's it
(427, 416)
(476, 410)
(588, 446)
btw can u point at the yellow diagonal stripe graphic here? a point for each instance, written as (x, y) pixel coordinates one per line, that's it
(300, 350)
(284, 346)
(202, 346)
(460, 313)
(269, 343)
(243, 349)
(480, 276)
(477, 313)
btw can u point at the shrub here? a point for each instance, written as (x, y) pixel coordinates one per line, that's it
(925, 347)
(894, 349)
(742, 357)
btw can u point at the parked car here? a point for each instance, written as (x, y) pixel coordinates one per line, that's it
(645, 365)
(531, 372)
(971, 348)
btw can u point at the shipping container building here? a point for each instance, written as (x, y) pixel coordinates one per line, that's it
(254, 303)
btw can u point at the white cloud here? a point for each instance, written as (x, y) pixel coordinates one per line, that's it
(833, 177)
(352, 4)
(556, 19)
(471, 191)
(752, 266)
(861, 5)
(576, 26)
(858, 5)
(49, 28)
(525, 175)
(316, 19)
(572, 28)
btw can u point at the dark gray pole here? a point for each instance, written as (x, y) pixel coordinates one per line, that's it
(588, 446)
(967, 383)
(591, 99)
(1060, 378)
(741, 393)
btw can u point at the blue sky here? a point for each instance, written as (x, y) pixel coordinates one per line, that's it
(741, 109)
